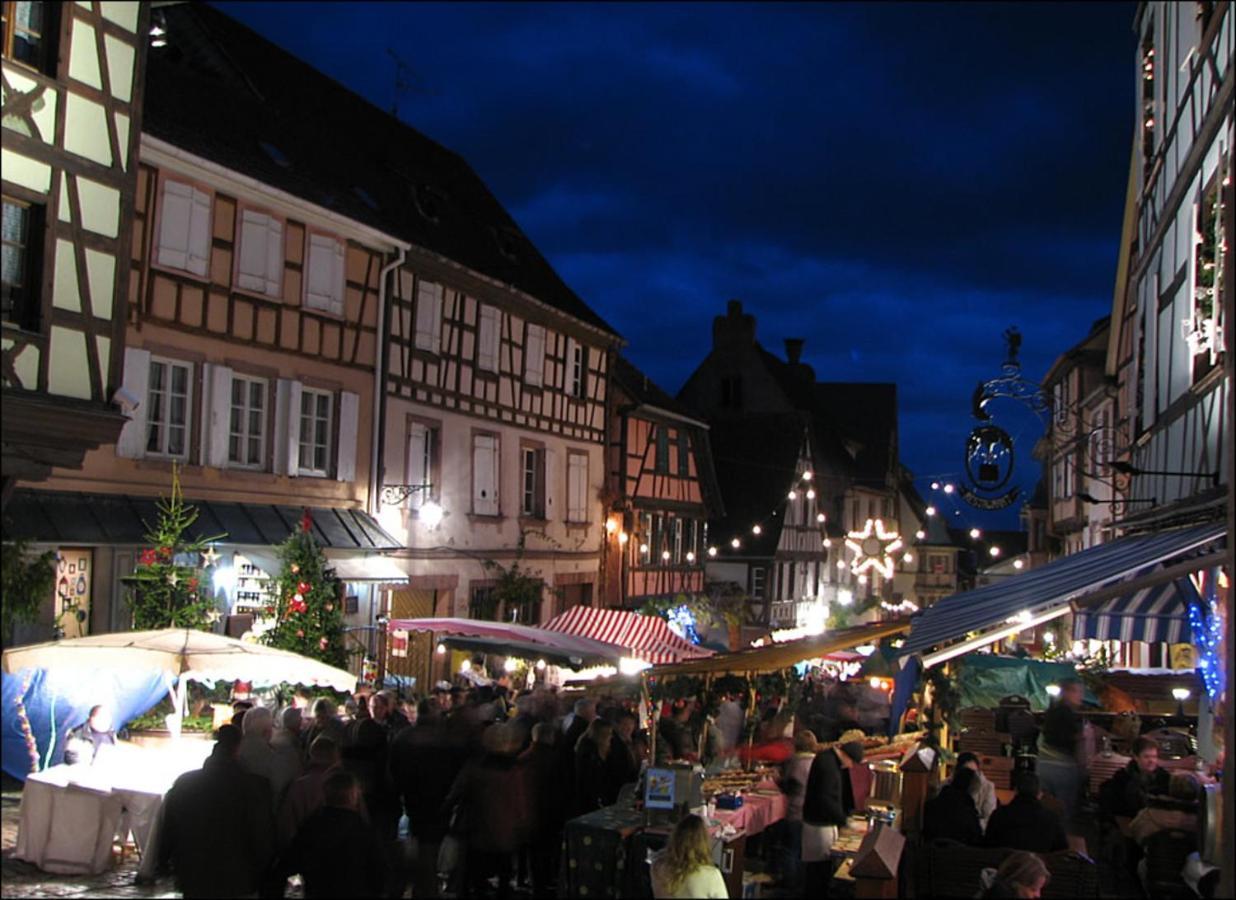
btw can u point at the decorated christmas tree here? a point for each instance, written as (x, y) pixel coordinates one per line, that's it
(171, 587)
(307, 613)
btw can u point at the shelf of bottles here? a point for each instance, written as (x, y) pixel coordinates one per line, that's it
(252, 588)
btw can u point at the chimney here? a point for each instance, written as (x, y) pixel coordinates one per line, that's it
(735, 329)
(793, 350)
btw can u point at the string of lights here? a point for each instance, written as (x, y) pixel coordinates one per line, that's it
(1207, 629)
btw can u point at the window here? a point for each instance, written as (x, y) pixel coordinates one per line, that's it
(259, 265)
(577, 487)
(184, 228)
(487, 339)
(677, 551)
(645, 539)
(22, 245)
(663, 443)
(577, 369)
(532, 493)
(167, 410)
(422, 448)
(316, 408)
(485, 475)
(29, 33)
(428, 316)
(483, 604)
(247, 436)
(1148, 102)
(684, 454)
(525, 611)
(324, 274)
(534, 356)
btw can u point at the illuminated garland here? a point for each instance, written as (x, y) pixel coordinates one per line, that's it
(32, 746)
(1206, 631)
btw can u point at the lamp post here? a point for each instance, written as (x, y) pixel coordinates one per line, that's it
(1181, 695)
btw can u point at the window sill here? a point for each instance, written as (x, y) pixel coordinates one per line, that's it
(486, 518)
(534, 520)
(307, 473)
(258, 295)
(305, 307)
(577, 526)
(484, 374)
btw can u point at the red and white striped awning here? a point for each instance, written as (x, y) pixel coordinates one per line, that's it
(644, 637)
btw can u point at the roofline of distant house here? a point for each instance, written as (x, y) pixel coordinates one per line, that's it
(670, 414)
(160, 152)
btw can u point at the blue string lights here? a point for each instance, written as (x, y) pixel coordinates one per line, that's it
(1206, 630)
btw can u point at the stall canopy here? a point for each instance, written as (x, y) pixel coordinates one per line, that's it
(647, 637)
(1158, 613)
(521, 640)
(1052, 589)
(774, 657)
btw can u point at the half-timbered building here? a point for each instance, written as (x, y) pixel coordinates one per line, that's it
(664, 491)
(72, 90)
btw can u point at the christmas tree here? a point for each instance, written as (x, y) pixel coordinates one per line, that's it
(170, 587)
(308, 617)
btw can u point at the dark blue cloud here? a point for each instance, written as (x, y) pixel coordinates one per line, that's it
(896, 183)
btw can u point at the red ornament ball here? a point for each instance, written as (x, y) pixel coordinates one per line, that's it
(302, 588)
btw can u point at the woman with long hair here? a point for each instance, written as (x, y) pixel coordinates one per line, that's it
(685, 868)
(1022, 876)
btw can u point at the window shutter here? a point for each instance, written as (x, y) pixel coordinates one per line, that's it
(487, 340)
(552, 476)
(251, 269)
(428, 316)
(485, 475)
(349, 436)
(416, 472)
(324, 286)
(220, 415)
(175, 221)
(132, 441)
(199, 234)
(274, 257)
(534, 356)
(577, 478)
(337, 277)
(287, 426)
(568, 380)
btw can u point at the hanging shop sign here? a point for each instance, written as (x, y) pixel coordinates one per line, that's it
(990, 457)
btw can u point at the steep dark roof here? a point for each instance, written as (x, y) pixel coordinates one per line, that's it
(866, 414)
(223, 92)
(755, 459)
(645, 392)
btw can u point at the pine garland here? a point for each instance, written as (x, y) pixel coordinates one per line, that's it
(308, 610)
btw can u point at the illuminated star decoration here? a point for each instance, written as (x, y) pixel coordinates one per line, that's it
(210, 557)
(873, 548)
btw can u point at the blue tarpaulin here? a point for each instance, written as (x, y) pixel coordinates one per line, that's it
(982, 679)
(54, 705)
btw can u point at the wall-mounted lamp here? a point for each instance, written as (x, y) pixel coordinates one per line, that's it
(1181, 695)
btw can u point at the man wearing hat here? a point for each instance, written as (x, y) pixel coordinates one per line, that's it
(827, 803)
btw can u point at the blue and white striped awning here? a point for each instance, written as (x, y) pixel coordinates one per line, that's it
(1153, 614)
(1053, 585)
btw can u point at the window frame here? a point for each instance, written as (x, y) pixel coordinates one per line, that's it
(49, 42)
(30, 303)
(661, 460)
(331, 423)
(532, 495)
(429, 473)
(166, 177)
(577, 372)
(245, 435)
(165, 409)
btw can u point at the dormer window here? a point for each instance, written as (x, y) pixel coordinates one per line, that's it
(429, 202)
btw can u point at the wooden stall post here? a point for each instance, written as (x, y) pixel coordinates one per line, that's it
(915, 780)
(877, 863)
(752, 717)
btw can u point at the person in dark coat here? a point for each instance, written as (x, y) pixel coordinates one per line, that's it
(1125, 793)
(218, 826)
(591, 781)
(365, 756)
(951, 813)
(1060, 741)
(621, 765)
(540, 765)
(1025, 823)
(425, 761)
(336, 851)
(827, 803)
(674, 740)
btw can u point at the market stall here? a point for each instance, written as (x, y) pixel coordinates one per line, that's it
(508, 638)
(646, 637)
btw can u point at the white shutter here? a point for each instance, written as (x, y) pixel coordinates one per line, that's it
(251, 267)
(287, 426)
(324, 285)
(199, 234)
(534, 356)
(485, 475)
(133, 436)
(487, 340)
(274, 257)
(220, 418)
(417, 471)
(577, 481)
(175, 220)
(428, 316)
(349, 435)
(552, 480)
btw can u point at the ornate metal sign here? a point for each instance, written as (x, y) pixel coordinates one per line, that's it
(990, 457)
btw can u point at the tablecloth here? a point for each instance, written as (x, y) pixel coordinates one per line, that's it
(66, 828)
(595, 853)
(757, 812)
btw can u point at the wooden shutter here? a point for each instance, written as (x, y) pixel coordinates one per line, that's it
(487, 340)
(260, 267)
(417, 470)
(133, 436)
(175, 222)
(199, 234)
(324, 284)
(485, 475)
(274, 257)
(220, 417)
(288, 395)
(534, 356)
(428, 316)
(577, 487)
(552, 476)
(349, 435)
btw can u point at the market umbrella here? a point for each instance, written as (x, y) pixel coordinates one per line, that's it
(182, 653)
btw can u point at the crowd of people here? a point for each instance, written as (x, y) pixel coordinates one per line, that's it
(485, 784)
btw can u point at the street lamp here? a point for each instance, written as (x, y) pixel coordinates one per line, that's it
(1127, 468)
(1087, 497)
(394, 494)
(1181, 695)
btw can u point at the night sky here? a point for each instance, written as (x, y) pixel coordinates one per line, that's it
(897, 184)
